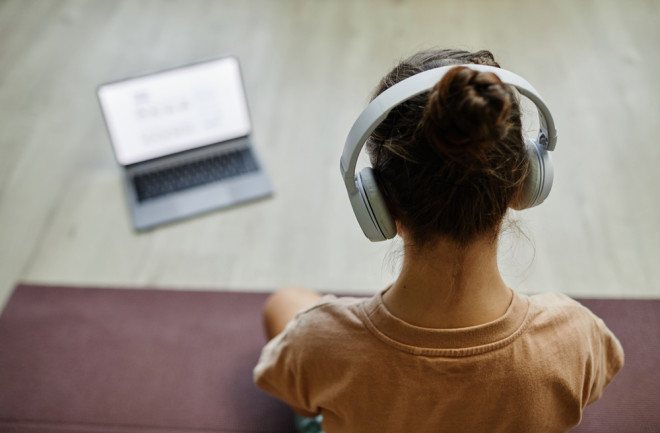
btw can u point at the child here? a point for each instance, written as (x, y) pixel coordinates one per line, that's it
(448, 347)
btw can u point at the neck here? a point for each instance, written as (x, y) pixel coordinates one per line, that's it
(447, 286)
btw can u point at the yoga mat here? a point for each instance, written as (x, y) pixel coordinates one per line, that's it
(631, 403)
(88, 360)
(133, 361)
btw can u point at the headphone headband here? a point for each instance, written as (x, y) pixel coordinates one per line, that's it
(381, 106)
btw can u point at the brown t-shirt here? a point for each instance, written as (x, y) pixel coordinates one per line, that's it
(532, 370)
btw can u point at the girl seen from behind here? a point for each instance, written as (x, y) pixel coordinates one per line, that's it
(448, 346)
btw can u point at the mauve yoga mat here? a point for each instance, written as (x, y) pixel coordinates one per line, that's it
(116, 360)
(135, 361)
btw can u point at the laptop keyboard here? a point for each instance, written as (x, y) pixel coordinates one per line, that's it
(194, 173)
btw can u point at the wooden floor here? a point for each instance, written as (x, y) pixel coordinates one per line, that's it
(309, 68)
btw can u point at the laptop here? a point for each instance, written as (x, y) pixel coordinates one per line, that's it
(183, 139)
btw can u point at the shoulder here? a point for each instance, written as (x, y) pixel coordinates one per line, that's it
(326, 321)
(567, 324)
(297, 364)
(557, 308)
(332, 315)
(321, 335)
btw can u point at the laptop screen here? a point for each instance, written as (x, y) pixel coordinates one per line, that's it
(175, 110)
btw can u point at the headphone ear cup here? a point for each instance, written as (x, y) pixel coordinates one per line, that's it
(538, 181)
(374, 201)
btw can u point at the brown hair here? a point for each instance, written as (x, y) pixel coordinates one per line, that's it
(449, 161)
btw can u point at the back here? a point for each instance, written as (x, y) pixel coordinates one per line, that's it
(533, 369)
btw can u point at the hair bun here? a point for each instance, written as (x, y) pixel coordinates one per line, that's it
(466, 111)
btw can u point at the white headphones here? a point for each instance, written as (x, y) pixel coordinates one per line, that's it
(365, 196)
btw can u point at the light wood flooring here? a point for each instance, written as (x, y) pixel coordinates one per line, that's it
(310, 66)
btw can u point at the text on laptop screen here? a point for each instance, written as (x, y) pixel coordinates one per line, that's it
(176, 110)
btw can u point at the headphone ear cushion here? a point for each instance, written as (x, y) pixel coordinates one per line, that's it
(375, 203)
(538, 180)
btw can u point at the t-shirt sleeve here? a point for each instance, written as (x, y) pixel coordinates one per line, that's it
(592, 349)
(607, 359)
(283, 367)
